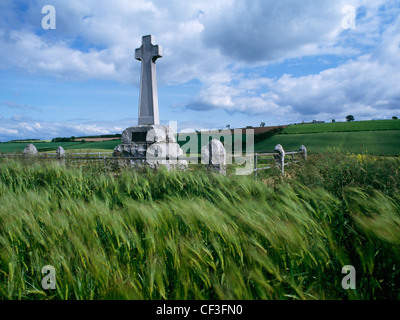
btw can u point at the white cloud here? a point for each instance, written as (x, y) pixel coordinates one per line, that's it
(367, 86)
(95, 39)
(213, 41)
(21, 127)
(267, 30)
(32, 54)
(7, 131)
(364, 86)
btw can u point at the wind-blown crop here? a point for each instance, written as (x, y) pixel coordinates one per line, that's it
(190, 235)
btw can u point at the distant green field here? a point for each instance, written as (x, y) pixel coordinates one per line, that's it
(344, 126)
(372, 142)
(52, 146)
(378, 137)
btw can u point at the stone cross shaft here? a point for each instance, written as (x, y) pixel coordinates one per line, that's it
(148, 102)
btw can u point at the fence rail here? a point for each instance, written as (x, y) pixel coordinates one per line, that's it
(278, 156)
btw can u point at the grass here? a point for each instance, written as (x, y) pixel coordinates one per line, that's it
(52, 146)
(85, 151)
(373, 125)
(377, 137)
(193, 235)
(371, 142)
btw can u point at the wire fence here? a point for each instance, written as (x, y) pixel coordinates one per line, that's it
(278, 158)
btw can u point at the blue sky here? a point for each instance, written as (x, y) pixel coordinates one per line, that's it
(224, 62)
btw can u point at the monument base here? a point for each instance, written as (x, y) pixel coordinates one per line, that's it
(151, 145)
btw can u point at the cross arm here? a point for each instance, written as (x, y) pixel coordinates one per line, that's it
(139, 54)
(157, 52)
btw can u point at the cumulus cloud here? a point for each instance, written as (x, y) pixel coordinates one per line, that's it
(366, 84)
(214, 42)
(355, 85)
(95, 39)
(32, 54)
(268, 30)
(22, 127)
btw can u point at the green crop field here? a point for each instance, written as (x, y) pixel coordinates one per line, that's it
(371, 142)
(194, 235)
(52, 146)
(372, 125)
(104, 145)
(378, 137)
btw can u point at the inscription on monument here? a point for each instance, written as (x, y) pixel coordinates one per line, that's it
(139, 136)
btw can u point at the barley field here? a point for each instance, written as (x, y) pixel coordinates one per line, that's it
(380, 143)
(18, 147)
(196, 235)
(370, 125)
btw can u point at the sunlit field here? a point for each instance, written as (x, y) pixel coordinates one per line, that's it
(113, 234)
(371, 125)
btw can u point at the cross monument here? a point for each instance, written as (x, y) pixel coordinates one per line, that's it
(148, 101)
(149, 143)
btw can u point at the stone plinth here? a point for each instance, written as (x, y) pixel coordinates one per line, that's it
(148, 134)
(154, 145)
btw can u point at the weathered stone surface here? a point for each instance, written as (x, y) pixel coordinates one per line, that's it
(61, 155)
(154, 155)
(217, 161)
(148, 102)
(134, 150)
(60, 152)
(164, 150)
(30, 150)
(280, 158)
(304, 150)
(165, 154)
(218, 153)
(148, 134)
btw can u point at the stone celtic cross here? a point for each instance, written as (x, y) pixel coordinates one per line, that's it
(148, 102)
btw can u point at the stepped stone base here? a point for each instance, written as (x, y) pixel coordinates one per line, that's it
(154, 144)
